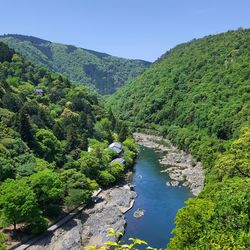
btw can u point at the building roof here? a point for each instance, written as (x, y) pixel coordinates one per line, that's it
(120, 160)
(117, 150)
(116, 146)
(39, 91)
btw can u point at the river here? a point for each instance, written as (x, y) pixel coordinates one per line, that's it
(159, 201)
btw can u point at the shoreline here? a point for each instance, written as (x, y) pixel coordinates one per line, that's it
(182, 168)
(90, 226)
(110, 214)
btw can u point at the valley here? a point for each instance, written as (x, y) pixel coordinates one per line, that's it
(181, 125)
(103, 72)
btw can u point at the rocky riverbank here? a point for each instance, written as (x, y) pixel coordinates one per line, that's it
(90, 227)
(182, 168)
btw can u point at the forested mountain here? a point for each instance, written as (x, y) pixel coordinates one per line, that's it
(107, 73)
(53, 144)
(198, 94)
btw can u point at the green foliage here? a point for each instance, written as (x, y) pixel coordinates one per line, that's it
(77, 197)
(78, 188)
(118, 244)
(193, 94)
(18, 202)
(6, 116)
(219, 219)
(11, 101)
(49, 147)
(122, 130)
(116, 169)
(6, 169)
(90, 165)
(236, 161)
(105, 178)
(190, 223)
(74, 179)
(130, 144)
(198, 95)
(49, 191)
(107, 73)
(44, 138)
(5, 53)
(103, 130)
(129, 151)
(39, 225)
(2, 240)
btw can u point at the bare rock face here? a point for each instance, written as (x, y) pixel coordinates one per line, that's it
(122, 197)
(71, 239)
(99, 220)
(195, 178)
(91, 226)
(107, 214)
(65, 238)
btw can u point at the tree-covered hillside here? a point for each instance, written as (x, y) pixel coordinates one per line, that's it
(54, 140)
(198, 94)
(107, 73)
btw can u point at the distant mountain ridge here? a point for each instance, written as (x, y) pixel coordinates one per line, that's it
(107, 73)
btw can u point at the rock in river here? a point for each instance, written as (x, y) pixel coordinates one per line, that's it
(139, 213)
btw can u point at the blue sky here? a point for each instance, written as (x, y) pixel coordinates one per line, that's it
(142, 29)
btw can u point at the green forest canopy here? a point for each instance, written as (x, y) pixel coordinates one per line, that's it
(105, 72)
(198, 94)
(47, 128)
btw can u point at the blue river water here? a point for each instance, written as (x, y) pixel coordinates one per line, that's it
(159, 201)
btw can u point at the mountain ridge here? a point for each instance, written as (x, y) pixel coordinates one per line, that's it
(106, 72)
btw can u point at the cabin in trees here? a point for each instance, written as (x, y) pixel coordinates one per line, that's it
(120, 160)
(39, 91)
(117, 147)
